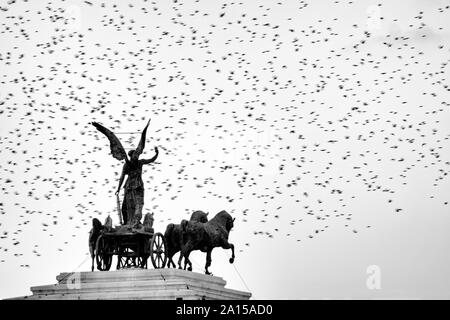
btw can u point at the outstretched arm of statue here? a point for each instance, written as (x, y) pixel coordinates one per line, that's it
(122, 176)
(147, 161)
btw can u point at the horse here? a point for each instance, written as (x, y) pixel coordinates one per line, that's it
(95, 232)
(207, 236)
(174, 236)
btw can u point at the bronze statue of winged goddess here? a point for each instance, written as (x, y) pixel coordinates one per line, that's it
(133, 200)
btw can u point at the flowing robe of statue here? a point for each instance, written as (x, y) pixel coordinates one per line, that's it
(133, 200)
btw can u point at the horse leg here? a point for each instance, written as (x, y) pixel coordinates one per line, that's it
(187, 261)
(169, 260)
(208, 261)
(185, 251)
(170, 254)
(92, 268)
(228, 245)
(180, 247)
(179, 260)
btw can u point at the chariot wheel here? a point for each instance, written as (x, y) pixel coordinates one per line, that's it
(102, 254)
(158, 249)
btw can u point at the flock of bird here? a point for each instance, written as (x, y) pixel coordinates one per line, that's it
(283, 113)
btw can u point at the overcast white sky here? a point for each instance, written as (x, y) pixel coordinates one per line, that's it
(322, 126)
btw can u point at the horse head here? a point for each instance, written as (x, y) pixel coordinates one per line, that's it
(184, 224)
(230, 223)
(199, 216)
(96, 224)
(225, 219)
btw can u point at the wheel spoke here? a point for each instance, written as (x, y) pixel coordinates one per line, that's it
(157, 249)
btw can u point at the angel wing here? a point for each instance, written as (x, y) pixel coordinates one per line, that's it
(117, 149)
(141, 145)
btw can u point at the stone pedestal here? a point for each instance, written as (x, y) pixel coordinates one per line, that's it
(130, 284)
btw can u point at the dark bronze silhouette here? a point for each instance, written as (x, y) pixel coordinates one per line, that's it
(175, 239)
(207, 236)
(95, 232)
(133, 200)
(132, 246)
(132, 242)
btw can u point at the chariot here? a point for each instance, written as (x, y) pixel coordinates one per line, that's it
(132, 248)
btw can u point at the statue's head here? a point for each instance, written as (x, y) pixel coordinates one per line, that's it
(131, 154)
